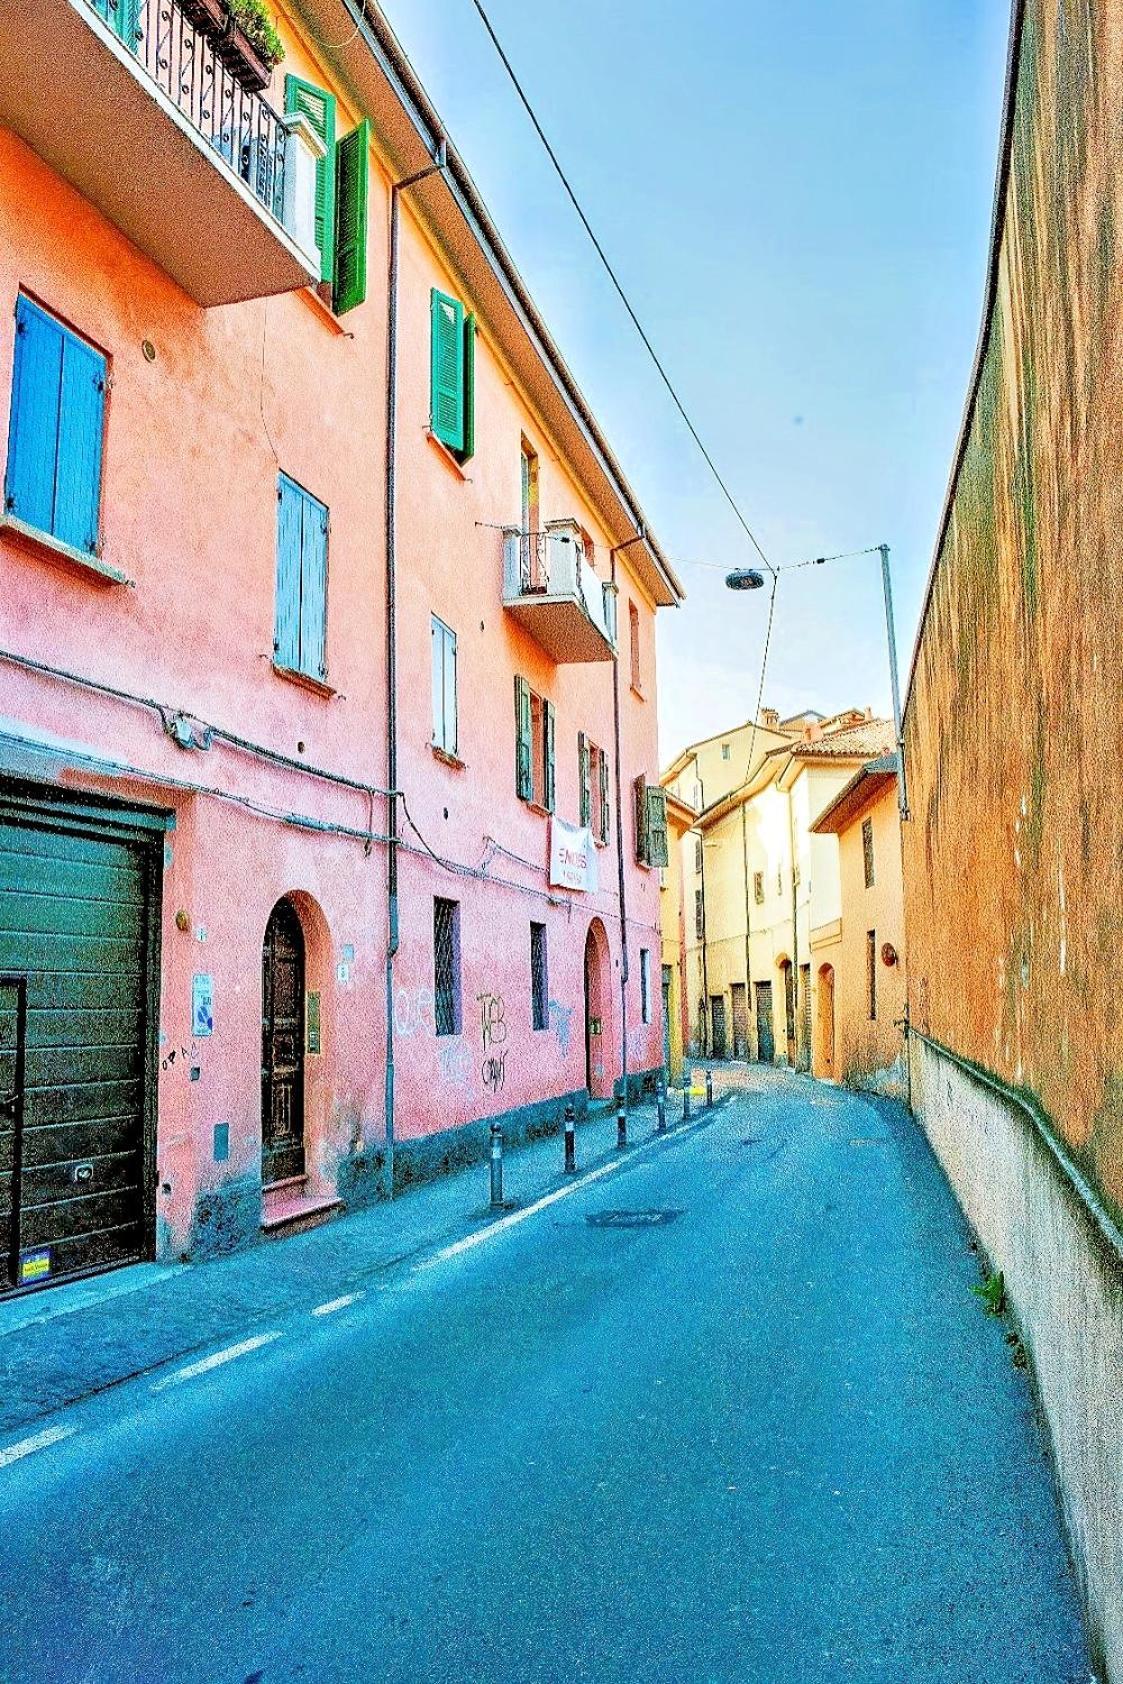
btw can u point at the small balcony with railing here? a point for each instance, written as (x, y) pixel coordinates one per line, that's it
(160, 123)
(550, 588)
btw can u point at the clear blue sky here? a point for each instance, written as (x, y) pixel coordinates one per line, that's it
(797, 198)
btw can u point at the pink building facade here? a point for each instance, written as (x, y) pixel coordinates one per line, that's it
(246, 598)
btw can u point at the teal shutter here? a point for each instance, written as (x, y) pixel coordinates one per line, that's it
(126, 21)
(29, 491)
(81, 425)
(313, 587)
(286, 635)
(656, 803)
(469, 388)
(640, 790)
(319, 108)
(585, 792)
(602, 767)
(549, 754)
(352, 176)
(524, 770)
(446, 400)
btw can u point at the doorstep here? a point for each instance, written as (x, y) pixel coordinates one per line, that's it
(288, 1208)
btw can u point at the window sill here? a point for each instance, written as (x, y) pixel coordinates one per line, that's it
(447, 759)
(53, 549)
(537, 807)
(637, 690)
(318, 306)
(306, 682)
(446, 456)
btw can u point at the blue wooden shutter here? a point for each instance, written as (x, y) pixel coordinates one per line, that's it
(351, 190)
(549, 781)
(585, 807)
(286, 635)
(29, 491)
(319, 107)
(446, 376)
(313, 588)
(81, 425)
(524, 769)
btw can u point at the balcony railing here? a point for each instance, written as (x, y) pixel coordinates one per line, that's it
(551, 588)
(185, 64)
(141, 112)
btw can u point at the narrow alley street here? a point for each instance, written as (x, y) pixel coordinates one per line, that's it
(728, 1411)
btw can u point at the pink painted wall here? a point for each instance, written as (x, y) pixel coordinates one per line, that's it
(194, 442)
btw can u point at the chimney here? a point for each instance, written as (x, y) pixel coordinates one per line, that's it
(769, 718)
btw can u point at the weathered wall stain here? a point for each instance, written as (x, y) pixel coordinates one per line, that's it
(1014, 856)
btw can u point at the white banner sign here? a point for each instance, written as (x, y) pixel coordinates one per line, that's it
(573, 858)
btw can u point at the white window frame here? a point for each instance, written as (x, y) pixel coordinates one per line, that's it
(446, 720)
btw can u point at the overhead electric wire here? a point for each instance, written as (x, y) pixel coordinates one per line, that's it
(624, 299)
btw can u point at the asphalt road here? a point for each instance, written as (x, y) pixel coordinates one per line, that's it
(765, 1436)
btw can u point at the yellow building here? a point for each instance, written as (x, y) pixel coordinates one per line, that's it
(757, 882)
(680, 817)
(859, 959)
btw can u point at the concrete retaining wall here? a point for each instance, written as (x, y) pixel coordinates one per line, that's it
(1063, 1265)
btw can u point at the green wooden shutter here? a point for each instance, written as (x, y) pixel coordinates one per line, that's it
(446, 391)
(352, 175)
(585, 793)
(469, 388)
(640, 790)
(656, 803)
(524, 769)
(604, 803)
(319, 107)
(549, 754)
(286, 632)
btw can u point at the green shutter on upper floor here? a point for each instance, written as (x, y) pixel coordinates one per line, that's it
(602, 767)
(639, 790)
(524, 738)
(584, 784)
(352, 175)
(319, 107)
(446, 376)
(656, 803)
(469, 388)
(549, 736)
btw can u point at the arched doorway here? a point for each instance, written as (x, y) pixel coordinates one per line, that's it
(282, 1046)
(787, 978)
(598, 1008)
(826, 1023)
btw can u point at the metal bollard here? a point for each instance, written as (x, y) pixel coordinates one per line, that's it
(496, 1167)
(621, 1125)
(661, 1111)
(686, 1100)
(709, 1087)
(570, 1141)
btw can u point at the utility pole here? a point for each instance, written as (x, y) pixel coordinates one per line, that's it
(887, 591)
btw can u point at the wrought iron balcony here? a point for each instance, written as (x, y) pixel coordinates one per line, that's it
(550, 588)
(157, 132)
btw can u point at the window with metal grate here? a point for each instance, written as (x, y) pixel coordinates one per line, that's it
(539, 980)
(446, 966)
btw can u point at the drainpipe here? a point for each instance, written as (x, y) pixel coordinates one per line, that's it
(640, 538)
(795, 935)
(748, 926)
(392, 942)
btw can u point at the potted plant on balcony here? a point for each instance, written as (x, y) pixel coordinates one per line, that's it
(250, 45)
(207, 16)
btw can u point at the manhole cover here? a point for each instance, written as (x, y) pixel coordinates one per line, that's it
(632, 1218)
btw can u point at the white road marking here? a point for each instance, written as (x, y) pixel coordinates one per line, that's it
(517, 1216)
(205, 1365)
(334, 1304)
(37, 1441)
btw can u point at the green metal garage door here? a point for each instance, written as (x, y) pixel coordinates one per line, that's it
(76, 935)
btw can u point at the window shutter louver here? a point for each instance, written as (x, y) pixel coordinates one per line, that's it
(126, 21)
(81, 424)
(640, 791)
(319, 107)
(286, 635)
(604, 803)
(447, 370)
(524, 771)
(585, 808)
(313, 588)
(33, 430)
(656, 804)
(352, 174)
(469, 448)
(549, 753)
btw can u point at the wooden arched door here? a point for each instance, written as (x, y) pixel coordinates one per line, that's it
(282, 1046)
